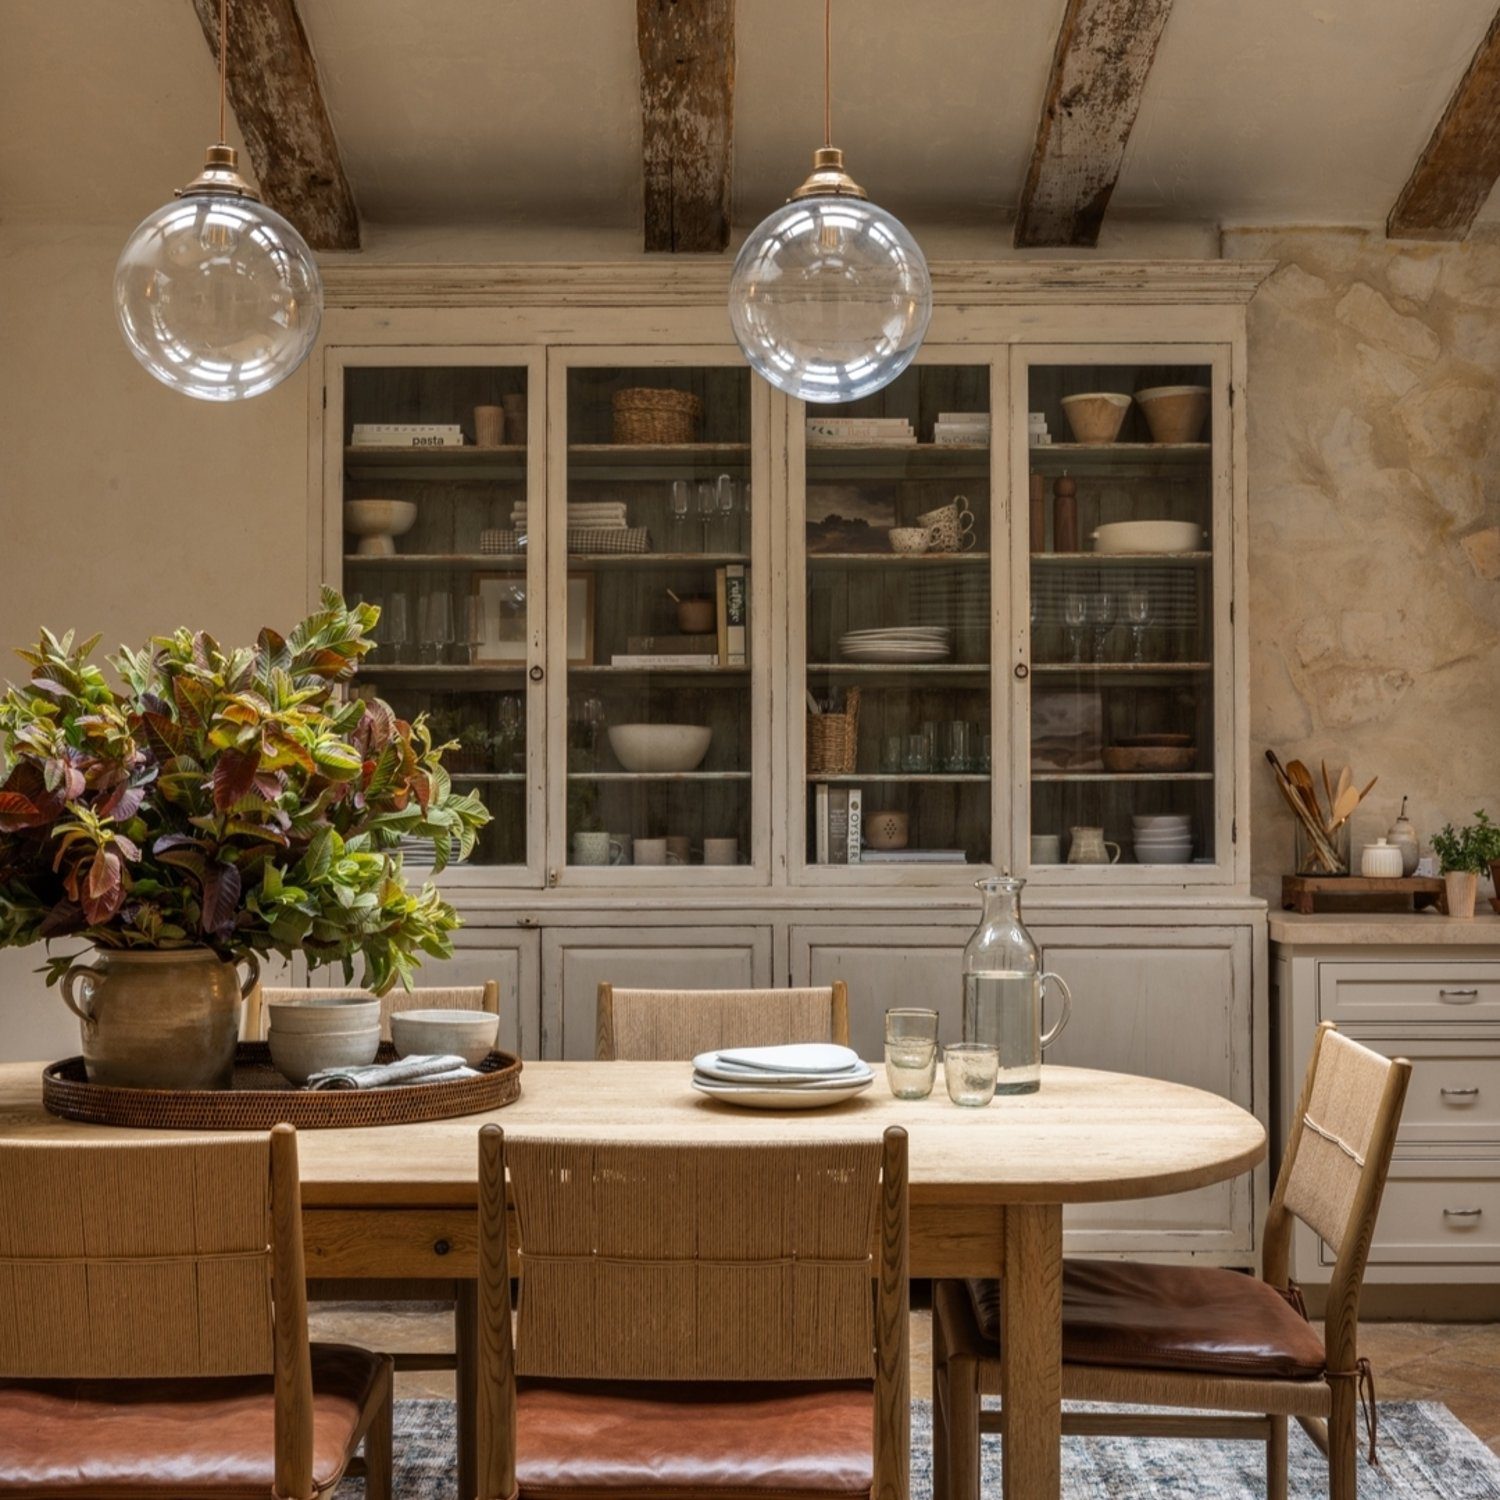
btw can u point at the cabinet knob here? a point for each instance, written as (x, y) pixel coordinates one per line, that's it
(1022, 671)
(536, 674)
(441, 1247)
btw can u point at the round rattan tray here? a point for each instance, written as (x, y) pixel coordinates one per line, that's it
(260, 1098)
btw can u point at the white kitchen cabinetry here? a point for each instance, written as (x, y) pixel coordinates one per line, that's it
(1426, 988)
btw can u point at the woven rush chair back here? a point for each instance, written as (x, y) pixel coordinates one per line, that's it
(484, 996)
(136, 1260)
(676, 1025)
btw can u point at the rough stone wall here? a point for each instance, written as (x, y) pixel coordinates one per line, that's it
(1374, 430)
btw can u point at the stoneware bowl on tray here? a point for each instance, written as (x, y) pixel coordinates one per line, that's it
(260, 1098)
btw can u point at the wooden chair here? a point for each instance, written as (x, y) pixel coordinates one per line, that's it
(1202, 1337)
(694, 1318)
(484, 996)
(676, 1025)
(153, 1328)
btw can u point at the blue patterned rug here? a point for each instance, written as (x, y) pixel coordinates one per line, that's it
(1426, 1453)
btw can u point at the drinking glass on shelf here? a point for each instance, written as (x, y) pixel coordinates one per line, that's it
(1075, 613)
(910, 1052)
(510, 718)
(587, 718)
(957, 753)
(708, 505)
(1101, 616)
(917, 757)
(726, 490)
(1138, 615)
(892, 754)
(395, 627)
(473, 629)
(435, 607)
(984, 753)
(680, 505)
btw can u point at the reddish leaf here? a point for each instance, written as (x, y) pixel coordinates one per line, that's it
(234, 776)
(105, 891)
(221, 896)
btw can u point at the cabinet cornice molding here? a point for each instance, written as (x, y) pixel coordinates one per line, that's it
(355, 284)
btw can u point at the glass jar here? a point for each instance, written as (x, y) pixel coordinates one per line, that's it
(1004, 986)
(1310, 860)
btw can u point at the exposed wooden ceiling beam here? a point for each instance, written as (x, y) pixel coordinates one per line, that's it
(687, 121)
(1457, 170)
(1099, 68)
(278, 103)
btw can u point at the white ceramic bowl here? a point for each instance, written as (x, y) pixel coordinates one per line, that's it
(297, 1055)
(660, 747)
(377, 522)
(324, 1013)
(1149, 536)
(470, 1034)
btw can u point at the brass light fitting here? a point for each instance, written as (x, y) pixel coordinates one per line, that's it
(829, 179)
(220, 174)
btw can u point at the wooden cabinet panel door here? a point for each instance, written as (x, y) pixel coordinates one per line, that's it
(1168, 1003)
(576, 961)
(885, 967)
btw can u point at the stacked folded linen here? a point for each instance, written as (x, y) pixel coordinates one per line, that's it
(796, 1076)
(428, 1069)
(595, 514)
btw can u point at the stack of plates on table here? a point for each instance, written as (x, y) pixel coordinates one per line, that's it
(806, 1075)
(900, 643)
(1162, 838)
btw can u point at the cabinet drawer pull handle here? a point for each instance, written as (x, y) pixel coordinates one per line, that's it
(1457, 997)
(1468, 1093)
(442, 1247)
(1462, 1213)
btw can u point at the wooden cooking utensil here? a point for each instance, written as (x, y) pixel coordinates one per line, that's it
(1327, 784)
(1346, 779)
(1301, 778)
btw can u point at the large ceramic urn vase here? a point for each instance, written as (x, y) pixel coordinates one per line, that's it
(162, 1020)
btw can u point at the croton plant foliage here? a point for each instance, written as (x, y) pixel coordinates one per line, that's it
(228, 799)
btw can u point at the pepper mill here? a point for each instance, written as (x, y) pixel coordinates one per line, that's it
(1038, 513)
(1065, 514)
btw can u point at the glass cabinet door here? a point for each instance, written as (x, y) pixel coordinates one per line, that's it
(653, 514)
(1127, 540)
(895, 549)
(435, 464)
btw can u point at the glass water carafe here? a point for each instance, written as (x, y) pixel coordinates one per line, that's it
(1003, 988)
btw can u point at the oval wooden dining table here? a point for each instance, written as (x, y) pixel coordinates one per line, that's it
(398, 1204)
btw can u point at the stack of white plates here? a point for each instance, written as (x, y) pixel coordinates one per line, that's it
(901, 643)
(1162, 838)
(804, 1076)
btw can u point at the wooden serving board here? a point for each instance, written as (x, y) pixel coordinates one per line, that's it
(1301, 893)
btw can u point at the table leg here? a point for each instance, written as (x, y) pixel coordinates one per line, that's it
(1031, 1341)
(466, 1382)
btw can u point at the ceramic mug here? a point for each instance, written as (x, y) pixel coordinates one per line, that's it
(721, 851)
(489, 426)
(595, 849)
(909, 538)
(1046, 849)
(950, 527)
(679, 849)
(1090, 847)
(650, 851)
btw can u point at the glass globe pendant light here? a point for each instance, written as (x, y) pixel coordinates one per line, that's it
(217, 295)
(830, 296)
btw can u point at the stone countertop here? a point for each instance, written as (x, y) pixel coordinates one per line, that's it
(1385, 929)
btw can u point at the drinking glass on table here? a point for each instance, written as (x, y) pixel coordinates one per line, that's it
(910, 1052)
(971, 1069)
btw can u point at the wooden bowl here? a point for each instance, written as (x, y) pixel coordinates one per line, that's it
(1150, 757)
(1163, 740)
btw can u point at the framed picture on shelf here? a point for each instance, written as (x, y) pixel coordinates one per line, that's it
(500, 606)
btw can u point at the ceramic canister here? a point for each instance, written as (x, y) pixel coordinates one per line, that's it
(1381, 861)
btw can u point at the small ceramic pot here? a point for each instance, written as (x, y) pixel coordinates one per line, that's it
(721, 851)
(886, 830)
(489, 426)
(650, 852)
(695, 616)
(297, 1055)
(469, 1034)
(1381, 861)
(1462, 888)
(909, 538)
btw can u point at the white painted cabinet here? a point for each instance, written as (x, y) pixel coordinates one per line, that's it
(575, 961)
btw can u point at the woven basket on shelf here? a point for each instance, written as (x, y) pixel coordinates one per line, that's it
(833, 739)
(645, 415)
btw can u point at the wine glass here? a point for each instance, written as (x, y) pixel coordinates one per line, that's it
(708, 505)
(725, 488)
(1101, 616)
(680, 501)
(1075, 615)
(436, 608)
(395, 627)
(1138, 614)
(511, 719)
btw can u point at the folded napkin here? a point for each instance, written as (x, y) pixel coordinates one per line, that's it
(822, 1058)
(438, 1069)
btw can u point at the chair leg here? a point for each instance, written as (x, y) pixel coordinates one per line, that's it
(1343, 1441)
(379, 1448)
(940, 1399)
(955, 1470)
(1276, 1460)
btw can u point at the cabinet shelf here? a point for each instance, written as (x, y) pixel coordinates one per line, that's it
(900, 559)
(1123, 668)
(731, 673)
(1122, 776)
(659, 775)
(487, 777)
(514, 561)
(857, 778)
(1117, 559)
(585, 460)
(897, 461)
(442, 671)
(884, 668)
(1119, 458)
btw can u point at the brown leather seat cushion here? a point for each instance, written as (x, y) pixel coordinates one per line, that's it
(637, 1441)
(173, 1438)
(1196, 1318)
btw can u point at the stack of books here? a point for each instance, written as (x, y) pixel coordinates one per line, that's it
(859, 432)
(838, 818)
(1037, 435)
(962, 429)
(406, 435)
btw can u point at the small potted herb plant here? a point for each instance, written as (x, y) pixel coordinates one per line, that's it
(1464, 855)
(218, 807)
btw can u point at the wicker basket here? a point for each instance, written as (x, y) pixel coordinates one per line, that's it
(833, 739)
(645, 415)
